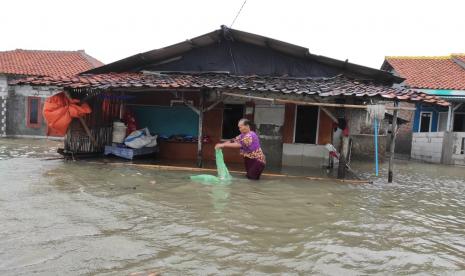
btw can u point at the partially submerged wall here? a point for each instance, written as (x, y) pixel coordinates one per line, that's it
(427, 146)
(269, 120)
(454, 148)
(16, 114)
(362, 134)
(3, 99)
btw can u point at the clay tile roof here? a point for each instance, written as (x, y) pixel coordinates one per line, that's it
(46, 63)
(322, 87)
(434, 72)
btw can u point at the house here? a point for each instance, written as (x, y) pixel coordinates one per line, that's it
(201, 88)
(438, 132)
(21, 108)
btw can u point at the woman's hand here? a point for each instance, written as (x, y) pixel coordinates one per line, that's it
(219, 146)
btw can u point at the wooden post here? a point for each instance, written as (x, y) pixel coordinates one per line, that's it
(83, 123)
(393, 142)
(341, 170)
(200, 137)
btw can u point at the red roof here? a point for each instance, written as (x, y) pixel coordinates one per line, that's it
(46, 63)
(322, 87)
(442, 72)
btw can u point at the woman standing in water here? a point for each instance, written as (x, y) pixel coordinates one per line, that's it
(250, 149)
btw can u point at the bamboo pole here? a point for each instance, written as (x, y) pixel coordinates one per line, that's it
(192, 169)
(313, 103)
(393, 143)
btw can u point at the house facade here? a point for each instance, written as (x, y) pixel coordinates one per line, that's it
(203, 86)
(438, 133)
(21, 107)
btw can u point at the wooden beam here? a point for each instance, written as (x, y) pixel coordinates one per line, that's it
(393, 142)
(200, 137)
(192, 169)
(313, 103)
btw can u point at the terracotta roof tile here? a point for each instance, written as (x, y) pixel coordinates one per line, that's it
(46, 63)
(440, 72)
(323, 87)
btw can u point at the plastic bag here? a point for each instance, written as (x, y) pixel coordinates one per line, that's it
(140, 138)
(223, 173)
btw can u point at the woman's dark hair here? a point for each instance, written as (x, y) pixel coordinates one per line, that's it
(247, 122)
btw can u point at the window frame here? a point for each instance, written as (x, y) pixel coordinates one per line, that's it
(439, 121)
(430, 121)
(453, 120)
(222, 118)
(317, 125)
(28, 112)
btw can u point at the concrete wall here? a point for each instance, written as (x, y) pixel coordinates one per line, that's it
(362, 134)
(404, 132)
(305, 155)
(3, 99)
(427, 146)
(363, 147)
(452, 148)
(16, 114)
(269, 120)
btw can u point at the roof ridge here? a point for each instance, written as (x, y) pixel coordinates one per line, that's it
(93, 61)
(419, 57)
(42, 51)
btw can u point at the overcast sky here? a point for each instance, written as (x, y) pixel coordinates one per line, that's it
(361, 31)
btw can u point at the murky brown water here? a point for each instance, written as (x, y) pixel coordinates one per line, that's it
(73, 218)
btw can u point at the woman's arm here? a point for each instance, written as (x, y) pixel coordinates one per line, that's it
(228, 144)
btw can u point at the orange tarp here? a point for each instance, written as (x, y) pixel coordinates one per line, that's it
(59, 111)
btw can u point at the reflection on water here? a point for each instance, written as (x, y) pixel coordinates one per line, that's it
(76, 218)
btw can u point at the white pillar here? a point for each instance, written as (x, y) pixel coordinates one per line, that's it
(449, 118)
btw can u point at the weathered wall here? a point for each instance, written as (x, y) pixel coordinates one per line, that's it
(17, 110)
(427, 146)
(363, 147)
(453, 148)
(269, 120)
(362, 134)
(305, 155)
(3, 99)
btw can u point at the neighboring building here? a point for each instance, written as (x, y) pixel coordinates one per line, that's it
(438, 132)
(186, 89)
(21, 108)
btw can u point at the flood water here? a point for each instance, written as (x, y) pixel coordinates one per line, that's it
(76, 218)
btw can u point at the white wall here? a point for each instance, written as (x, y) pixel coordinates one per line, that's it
(305, 155)
(457, 157)
(427, 146)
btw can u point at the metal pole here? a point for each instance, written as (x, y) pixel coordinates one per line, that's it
(393, 142)
(200, 137)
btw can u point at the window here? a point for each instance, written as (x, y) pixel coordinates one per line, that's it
(462, 149)
(425, 121)
(33, 112)
(231, 115)
(459, 122)
(442, 123)
(306, 124)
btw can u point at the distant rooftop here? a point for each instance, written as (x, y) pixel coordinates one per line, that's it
(46, 63)
(429, 72)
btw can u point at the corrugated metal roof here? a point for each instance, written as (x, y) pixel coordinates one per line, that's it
(158, 55)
